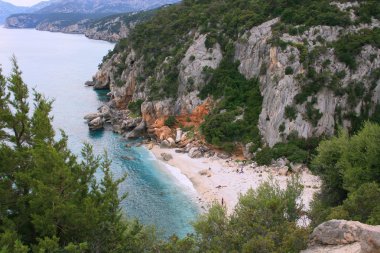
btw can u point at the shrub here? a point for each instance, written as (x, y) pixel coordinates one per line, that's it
(290, 112)
(170, 121)
(349, 46)
(135, 106)
(289, 70)
(264, 156)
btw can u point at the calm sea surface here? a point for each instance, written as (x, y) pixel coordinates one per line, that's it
(58, 65)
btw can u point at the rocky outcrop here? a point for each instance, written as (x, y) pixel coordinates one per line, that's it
(338, 236)
(125, 87)
(259, 57)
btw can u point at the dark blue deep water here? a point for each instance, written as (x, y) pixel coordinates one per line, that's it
(58, 65)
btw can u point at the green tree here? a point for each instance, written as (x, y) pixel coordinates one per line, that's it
(51, 202)
(349, 167)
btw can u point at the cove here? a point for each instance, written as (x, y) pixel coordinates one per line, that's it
(57, 65)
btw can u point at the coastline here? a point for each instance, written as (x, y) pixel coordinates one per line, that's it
(215, 179)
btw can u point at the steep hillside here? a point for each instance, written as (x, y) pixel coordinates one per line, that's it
(98, 26)
(103, 6)
(95, 19)
(7, 9)
(269, 71)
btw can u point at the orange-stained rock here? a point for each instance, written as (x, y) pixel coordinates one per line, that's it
(163, 133)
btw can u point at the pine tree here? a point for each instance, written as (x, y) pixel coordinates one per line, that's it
(50, 201)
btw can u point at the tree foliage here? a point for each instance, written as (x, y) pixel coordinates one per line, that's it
(265, 220)
(350, 169)
(50, 201)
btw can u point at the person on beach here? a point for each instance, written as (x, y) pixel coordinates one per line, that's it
(222, 202)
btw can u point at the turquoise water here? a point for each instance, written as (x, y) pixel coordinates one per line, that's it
(58, 65)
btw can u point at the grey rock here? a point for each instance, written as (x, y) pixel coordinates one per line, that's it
(89, 83)
(171, 142)
(164, 144)
(138, 131)
(336, 236)
(281, 162)
(92, 116)
(209, 154)
(195, 153)
(181, 151)
(283, 171)
(131, 123)
(255, 53)
(246, 151)
(223, 155)
(96, 124)
(166, 157)
(178, 135)
(296, 167)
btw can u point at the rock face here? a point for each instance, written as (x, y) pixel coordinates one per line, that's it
(281, 70)
(338, 236)
(258, 57)
(126, 88)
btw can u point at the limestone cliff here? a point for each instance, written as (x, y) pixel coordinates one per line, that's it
(307, 89)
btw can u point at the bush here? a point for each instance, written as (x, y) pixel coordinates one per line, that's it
(135, 107)
(349, 46)
(290, 112)
(289, 70)
(296, 150)
(170, 121)
(264, 156)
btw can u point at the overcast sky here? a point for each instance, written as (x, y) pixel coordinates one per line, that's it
(23, 2)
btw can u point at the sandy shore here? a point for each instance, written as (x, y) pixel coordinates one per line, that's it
(215, 178)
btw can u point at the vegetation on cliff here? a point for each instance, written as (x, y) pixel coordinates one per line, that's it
(167, 36)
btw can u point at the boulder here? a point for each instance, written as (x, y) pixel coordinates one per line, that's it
(150, 146)
(281, 162)
(246, 151)
(205, 172)
(195, 153)
(337, 236)
(188, 147)
(178, 135)
(162, 133)
(171, 142)
(223, 155)
(137, 131)
(297, 167)
(91, 116)
(283, 171)
(164, 144)
(95, 124)
(166, 157)
(180, 150)
(131, 123)
(209, 154)
(116, 128)
(89, 83)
